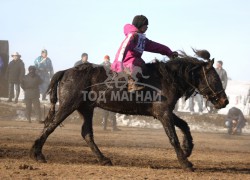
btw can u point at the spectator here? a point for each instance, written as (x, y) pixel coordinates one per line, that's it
(248, 96)
(15, 73)
(45, 71)
(183, 103)
(84, 59)
(30, 85)
(1, 66)
(223, 77)
(1, 74)
(247, 102)
(199, 99)
(235, 121)
(112, 116)
(180, 105)
(106, 63)
(222, 73)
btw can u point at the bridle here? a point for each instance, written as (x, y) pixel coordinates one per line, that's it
(214, 96)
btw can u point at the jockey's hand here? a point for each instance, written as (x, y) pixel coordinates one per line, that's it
(174, 55)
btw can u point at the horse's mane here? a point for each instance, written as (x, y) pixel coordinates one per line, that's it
(184, 58)
(184, 61)
(174, 70)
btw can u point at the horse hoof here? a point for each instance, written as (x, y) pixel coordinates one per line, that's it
(191, 164)
(189, 169)
(39, 157)
(106, 162)
(187, 166)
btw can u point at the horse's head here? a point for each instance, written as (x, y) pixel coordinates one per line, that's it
(210, 86)
(201, 75)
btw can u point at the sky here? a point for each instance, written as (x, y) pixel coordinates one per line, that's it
(67, 28)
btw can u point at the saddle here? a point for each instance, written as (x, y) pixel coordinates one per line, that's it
(122, 80)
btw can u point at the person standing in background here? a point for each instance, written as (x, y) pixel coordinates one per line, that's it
(84, 59)
(112, 116)
(222, 74)
(1, 67)
(15, 72)
(247, 102)
(30, 85)
(199, 99)
(223, 77)
(248, 96)
(1, 74)
(45, 70)
(108, 114)
(106, 62)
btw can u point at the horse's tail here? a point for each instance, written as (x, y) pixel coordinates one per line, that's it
(52, 91)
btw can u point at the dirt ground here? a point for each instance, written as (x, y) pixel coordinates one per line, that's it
(136, 153)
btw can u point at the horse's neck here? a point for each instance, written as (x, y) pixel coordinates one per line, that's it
(182, 77)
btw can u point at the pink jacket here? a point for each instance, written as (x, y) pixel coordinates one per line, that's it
(132, 47)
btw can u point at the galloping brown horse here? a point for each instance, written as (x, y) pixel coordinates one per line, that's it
(82, 89)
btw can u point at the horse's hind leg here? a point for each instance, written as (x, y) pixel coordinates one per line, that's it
(87, 134)
(168, 125)
(187, 145)
(36, 150)
(50, 116)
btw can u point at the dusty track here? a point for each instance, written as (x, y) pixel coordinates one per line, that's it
(135, 153)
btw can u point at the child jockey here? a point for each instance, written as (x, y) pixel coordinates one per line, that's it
(132, 47)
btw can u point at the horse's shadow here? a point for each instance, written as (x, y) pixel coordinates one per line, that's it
(232, 170)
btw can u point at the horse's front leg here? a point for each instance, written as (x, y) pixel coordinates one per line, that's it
(168, 125)
(187, 145)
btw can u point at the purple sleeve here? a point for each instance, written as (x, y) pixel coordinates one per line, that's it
(155, 47)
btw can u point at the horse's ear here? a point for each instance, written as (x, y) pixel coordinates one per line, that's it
(210, 64)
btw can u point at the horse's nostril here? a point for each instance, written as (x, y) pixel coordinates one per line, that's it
(226, 101)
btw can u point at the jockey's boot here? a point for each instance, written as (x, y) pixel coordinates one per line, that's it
(132, 86)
